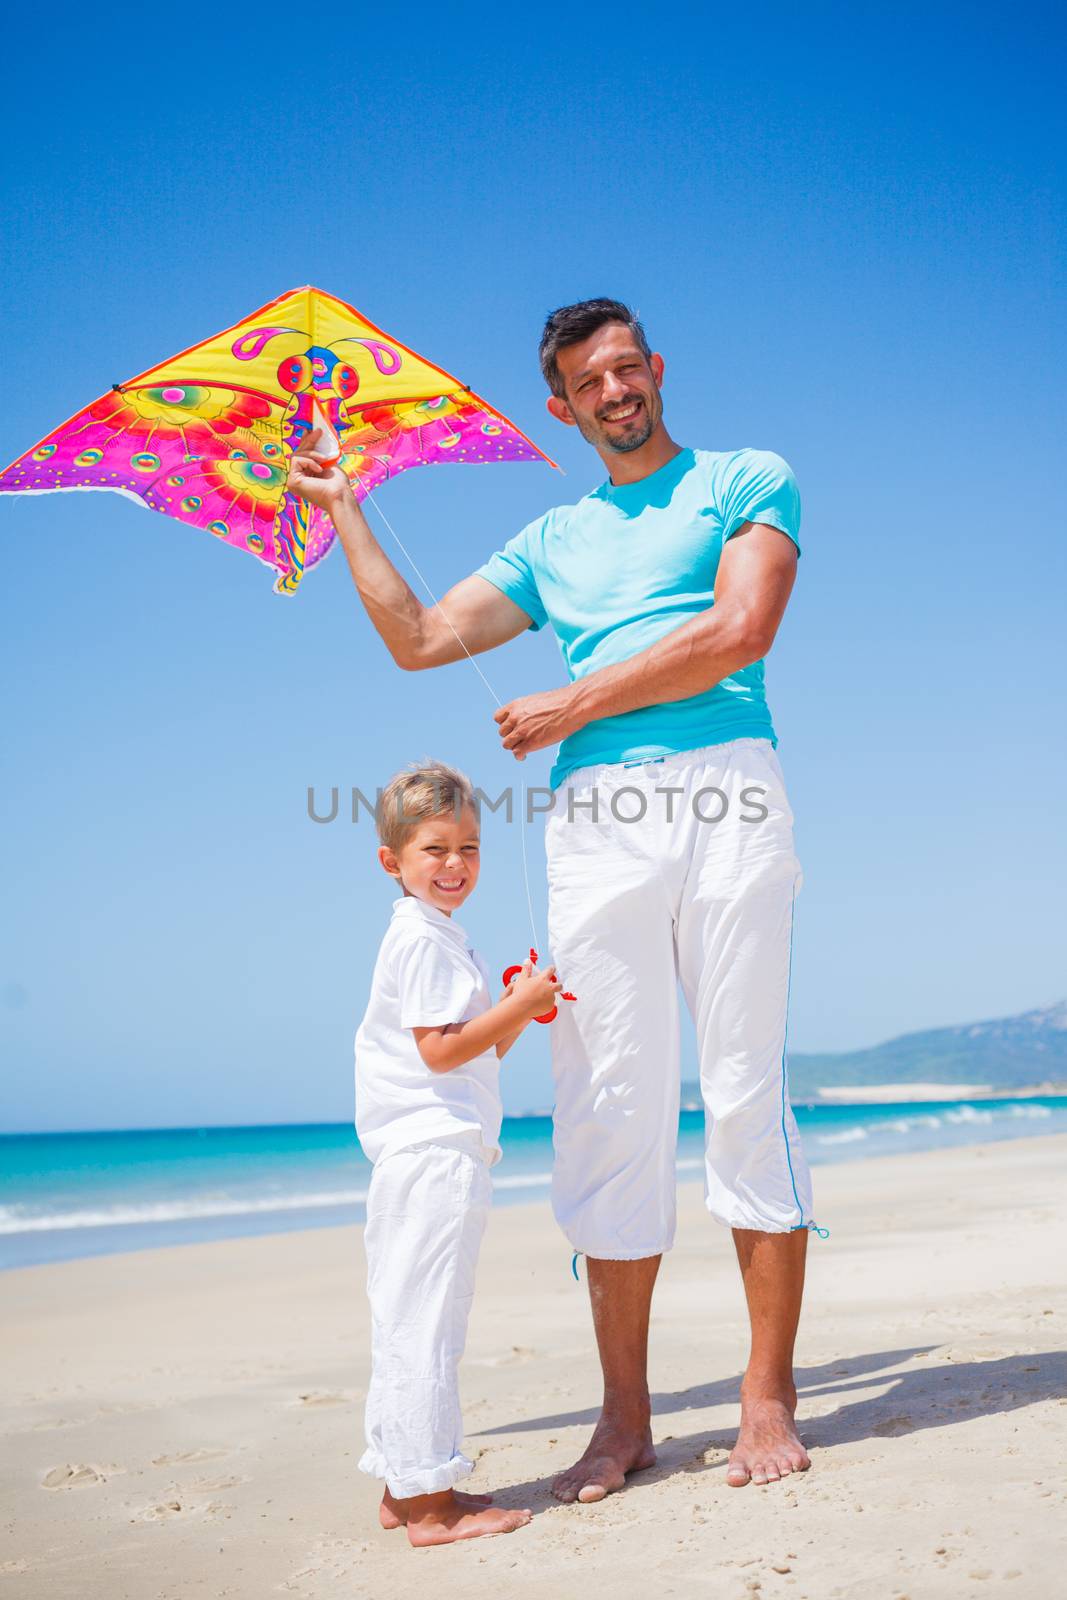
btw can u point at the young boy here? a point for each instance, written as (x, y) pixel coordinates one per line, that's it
(428, 1116)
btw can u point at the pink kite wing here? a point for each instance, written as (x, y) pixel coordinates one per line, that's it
(202, 455)
(208, 436)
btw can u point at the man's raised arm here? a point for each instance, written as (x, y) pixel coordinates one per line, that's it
(416, 636)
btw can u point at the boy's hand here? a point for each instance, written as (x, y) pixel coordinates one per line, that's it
(325, 487)
(534, 991)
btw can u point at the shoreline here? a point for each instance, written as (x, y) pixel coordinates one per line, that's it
(173, 1188)
(231, 1204)
(186, 1423)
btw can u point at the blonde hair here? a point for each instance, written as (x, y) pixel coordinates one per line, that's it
(423, 790)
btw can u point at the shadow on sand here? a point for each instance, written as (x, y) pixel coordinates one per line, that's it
(937, 1394)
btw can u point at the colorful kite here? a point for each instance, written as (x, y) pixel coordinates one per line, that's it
(207, 437)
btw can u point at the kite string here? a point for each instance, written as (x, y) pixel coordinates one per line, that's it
(413, 564)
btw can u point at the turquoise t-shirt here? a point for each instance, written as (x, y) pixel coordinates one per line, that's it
(630, 563)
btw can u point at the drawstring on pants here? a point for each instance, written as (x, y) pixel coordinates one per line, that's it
(811, 1227)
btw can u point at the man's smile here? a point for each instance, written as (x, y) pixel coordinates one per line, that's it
(624, 413)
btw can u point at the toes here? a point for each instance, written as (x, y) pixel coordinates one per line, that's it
(603, 1478)
(738, 1476)
(785, 1466)
(589, 1486)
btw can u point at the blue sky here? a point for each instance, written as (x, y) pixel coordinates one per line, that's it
(842, 230)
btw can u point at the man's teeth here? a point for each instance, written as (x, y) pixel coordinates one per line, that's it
(621, 416)
(448, 883)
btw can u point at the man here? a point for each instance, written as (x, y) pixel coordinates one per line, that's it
(665, 588)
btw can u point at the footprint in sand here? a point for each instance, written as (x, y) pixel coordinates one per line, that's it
(517, 1353)
(167, 1510)
(182, 1457)
(213, 1485)
(77, 1475)
(892, 1425)
(329, 1559)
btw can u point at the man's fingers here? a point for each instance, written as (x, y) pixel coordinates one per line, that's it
(303, 460)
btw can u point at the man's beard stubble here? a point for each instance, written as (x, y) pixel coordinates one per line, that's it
(622, 445)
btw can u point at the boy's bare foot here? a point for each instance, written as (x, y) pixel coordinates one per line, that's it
(393, 1513)
(617, 1447)
(443, 1518)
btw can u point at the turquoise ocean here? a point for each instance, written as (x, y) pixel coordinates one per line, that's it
(64, 1195)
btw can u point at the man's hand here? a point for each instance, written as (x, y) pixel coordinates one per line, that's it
(752, 588)
(536, 720)
(325, 487)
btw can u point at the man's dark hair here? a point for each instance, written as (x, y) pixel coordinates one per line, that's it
(572, 324)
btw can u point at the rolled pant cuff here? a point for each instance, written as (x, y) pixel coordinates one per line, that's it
(429, 1480)
(753, 1224)
(612, 1253)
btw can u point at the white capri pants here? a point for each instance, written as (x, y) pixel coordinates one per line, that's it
(634, 907)
(427, 1208)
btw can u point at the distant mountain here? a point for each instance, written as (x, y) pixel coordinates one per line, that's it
(1005, 1054)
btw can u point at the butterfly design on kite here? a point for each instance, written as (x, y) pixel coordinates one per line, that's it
(207, 436)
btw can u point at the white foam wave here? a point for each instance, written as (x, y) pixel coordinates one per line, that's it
(963, 1116)
(14, 1220)
(846, 1136)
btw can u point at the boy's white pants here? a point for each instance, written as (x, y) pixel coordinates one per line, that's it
(634, 907)
(427, 1208)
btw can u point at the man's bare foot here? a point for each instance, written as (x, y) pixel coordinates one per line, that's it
(443, 1518)
(616, 1448)
(768, 1446)
(393, 1513)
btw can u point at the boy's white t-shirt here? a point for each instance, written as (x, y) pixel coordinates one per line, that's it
(427, 975)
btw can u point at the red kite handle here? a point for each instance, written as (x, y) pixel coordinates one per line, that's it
(511, 972)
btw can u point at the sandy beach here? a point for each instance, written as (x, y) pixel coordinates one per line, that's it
(186, 1422)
